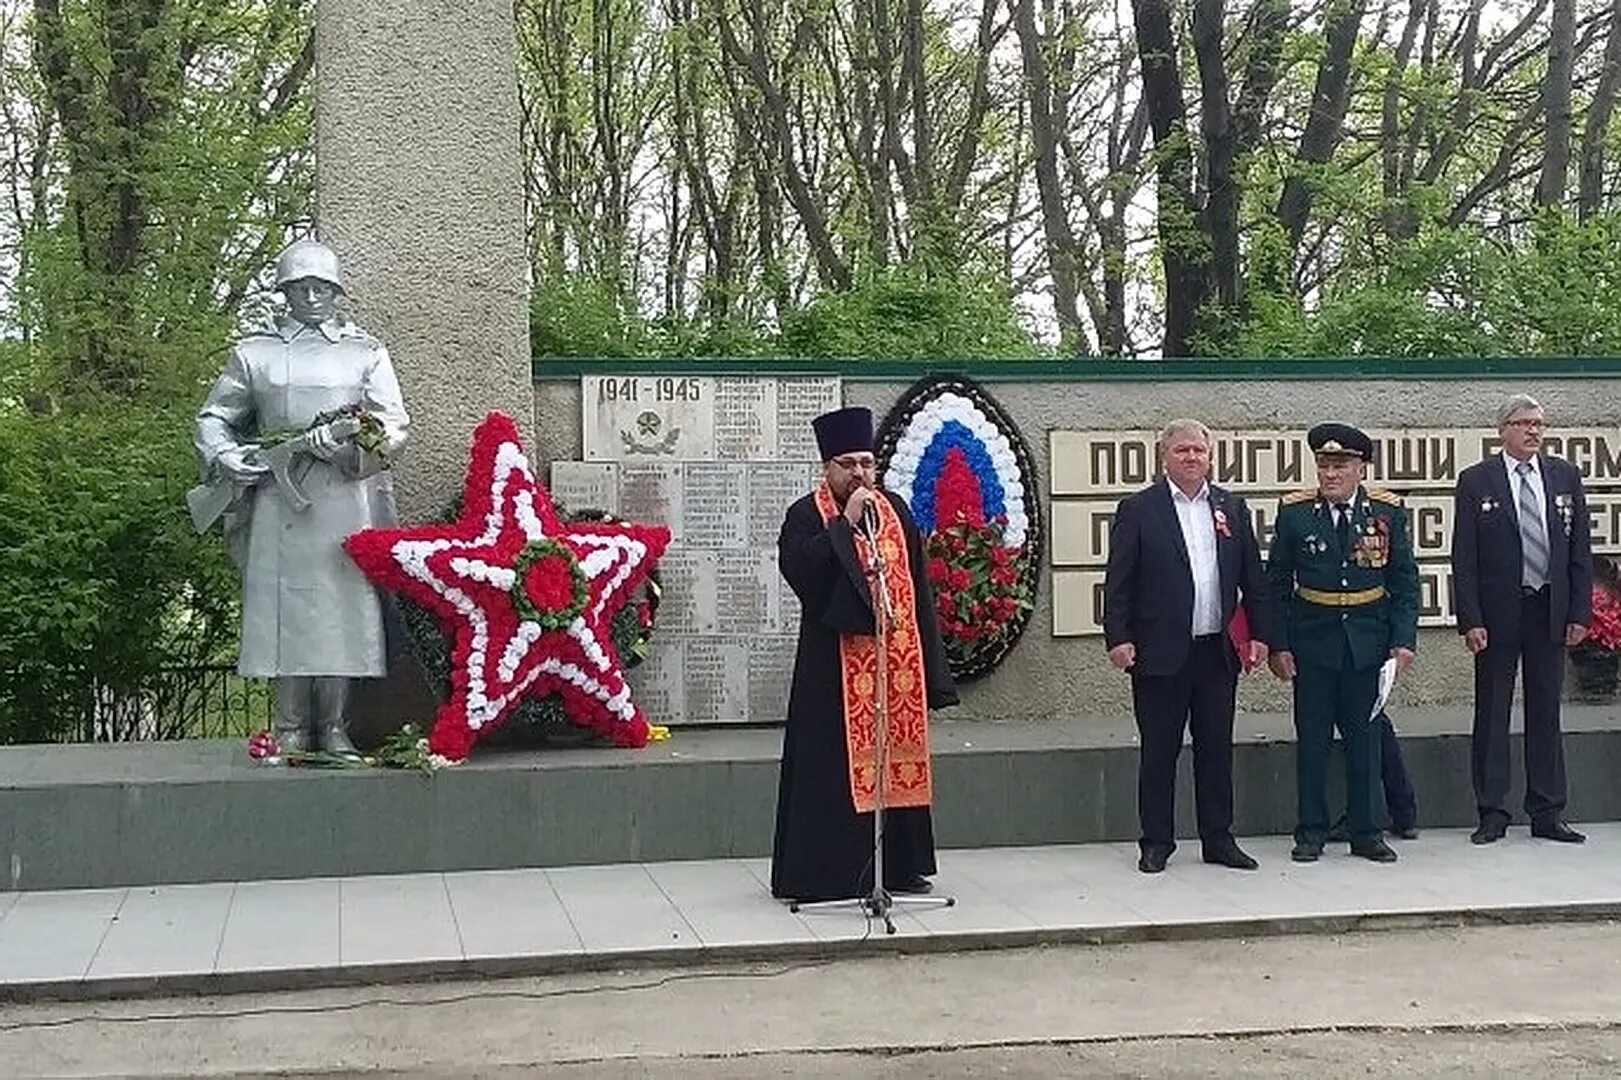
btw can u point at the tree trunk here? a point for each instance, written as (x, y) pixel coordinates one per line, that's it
(1556, 104)
(1061, 248)
(1221, 151)
(1327, 119)
(1182, 241)
(1590, 183)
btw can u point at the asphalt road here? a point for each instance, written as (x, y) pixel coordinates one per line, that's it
(1432, 1001)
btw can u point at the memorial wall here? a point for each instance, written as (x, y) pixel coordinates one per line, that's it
(1093, 441)
(718, 460)
(1092, 471)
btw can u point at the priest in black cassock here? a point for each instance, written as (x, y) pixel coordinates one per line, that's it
(828, 785)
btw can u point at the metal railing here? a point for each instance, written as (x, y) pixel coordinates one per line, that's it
(194, 702)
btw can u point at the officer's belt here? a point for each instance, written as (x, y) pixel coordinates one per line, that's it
(1341, 599)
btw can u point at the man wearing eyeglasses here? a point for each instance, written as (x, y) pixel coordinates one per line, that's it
(1522, 578)
(854, 558)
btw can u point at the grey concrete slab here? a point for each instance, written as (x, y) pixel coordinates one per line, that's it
(978, 908)
(483, 819)
(119, 821)
(753, 807)
(619, 908)
(165, 930)
(599, 915)
(580, 817)
(50, 936)
(504, 913)
(681, 810)
(64, 837)
(401, 918)
(1049, 886)
(281, 925)
(972, 796)
(725, 904)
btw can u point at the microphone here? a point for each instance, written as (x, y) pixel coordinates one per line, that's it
(869, 518)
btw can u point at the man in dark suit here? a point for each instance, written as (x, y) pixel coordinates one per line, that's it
(1522, 576)
(1182, 557)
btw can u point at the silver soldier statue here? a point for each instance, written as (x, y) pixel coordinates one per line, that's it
(294, 441)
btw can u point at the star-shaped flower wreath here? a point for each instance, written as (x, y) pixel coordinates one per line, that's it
(527, 601)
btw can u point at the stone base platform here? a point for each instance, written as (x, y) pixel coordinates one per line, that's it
(91, 816)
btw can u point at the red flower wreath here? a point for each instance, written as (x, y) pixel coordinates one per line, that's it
(527, 600)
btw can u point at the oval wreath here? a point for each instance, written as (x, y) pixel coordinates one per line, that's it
(544, 720)
(953, 453)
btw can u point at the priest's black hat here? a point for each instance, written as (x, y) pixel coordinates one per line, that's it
(843, 430)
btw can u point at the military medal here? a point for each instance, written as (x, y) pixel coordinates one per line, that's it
(1373, 546)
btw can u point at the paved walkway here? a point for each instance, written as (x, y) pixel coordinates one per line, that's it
(288, 934)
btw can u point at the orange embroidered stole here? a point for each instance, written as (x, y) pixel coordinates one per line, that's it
(907, 780)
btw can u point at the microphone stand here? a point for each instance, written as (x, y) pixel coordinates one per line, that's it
(879, 902)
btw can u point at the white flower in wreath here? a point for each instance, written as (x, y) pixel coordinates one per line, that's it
(907, 458)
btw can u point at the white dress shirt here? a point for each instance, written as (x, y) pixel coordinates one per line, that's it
(1199, 535)
(1533, 480)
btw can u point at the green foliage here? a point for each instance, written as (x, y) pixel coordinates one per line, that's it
(576, 316)
(103, 582)
(160, 155)
(1550, 290)
(177, 152)
(903, 314)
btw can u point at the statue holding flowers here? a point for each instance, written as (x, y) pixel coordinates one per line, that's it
(294, 443)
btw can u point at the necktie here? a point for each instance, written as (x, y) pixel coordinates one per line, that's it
(1342, 528)
(1533, 534)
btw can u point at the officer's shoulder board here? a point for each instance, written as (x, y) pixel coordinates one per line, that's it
(1387, 497)
(1296, 497)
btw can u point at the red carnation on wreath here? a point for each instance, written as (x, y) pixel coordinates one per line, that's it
(527, 601)
(978, 592)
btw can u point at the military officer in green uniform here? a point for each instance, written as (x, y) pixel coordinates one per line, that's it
(1342, 568)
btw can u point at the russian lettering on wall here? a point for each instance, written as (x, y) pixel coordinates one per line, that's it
(1093, 470)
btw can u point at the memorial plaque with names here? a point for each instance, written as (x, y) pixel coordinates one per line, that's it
(799, 401)
(718, 460)
(713, 510)
(771, 674)
(658, 683)
(651, 493)
(745, 419)
(772, 488)
(687, 605)
(588, 485)
(744, 589)
(715, 676)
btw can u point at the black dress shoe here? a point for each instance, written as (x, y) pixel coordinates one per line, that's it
(1557, 830)
(1403, 832)
(1373, 850)
(1489, 831)
(917, 884)
(1231, 855)
(1152, 861)
(1306, 851)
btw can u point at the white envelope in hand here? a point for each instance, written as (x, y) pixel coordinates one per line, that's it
(1387, 679)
